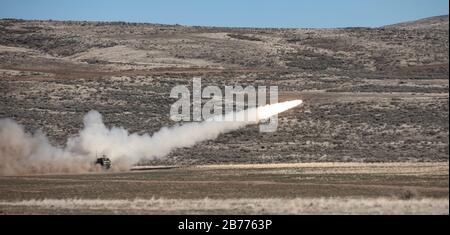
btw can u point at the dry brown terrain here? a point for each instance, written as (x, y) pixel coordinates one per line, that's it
(371, 138)
(371, 94)
(304, 188)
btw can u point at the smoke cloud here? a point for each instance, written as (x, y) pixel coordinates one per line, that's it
(27, 153)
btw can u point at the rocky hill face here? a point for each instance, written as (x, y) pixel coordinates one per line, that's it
(371, 94)
(437, 23)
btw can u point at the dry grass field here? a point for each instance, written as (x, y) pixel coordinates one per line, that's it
(310, 188)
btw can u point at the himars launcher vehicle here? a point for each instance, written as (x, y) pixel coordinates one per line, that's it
(104, 162)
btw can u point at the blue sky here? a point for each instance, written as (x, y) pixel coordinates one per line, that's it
(242, 13)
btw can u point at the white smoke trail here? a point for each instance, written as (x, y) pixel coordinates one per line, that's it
(25, 153)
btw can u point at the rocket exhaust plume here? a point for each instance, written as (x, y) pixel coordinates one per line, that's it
(26, 153)
(268, 111)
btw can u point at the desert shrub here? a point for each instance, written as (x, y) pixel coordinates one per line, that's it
(407, 195)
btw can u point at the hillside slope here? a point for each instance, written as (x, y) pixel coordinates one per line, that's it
(436, 22)
(371, 94)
